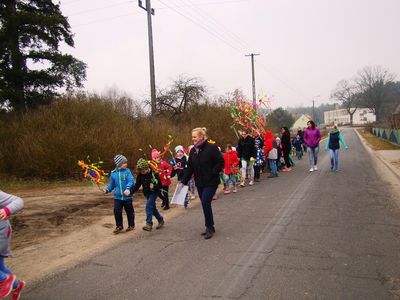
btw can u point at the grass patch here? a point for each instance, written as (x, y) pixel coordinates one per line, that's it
(377, 143)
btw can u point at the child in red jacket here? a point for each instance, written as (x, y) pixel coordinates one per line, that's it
(164, 171)
(231, 163)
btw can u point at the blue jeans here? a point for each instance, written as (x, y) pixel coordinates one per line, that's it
(4, 270)
(206, 194)
(151, 209)
(231, 178)
(334, 154)
(312, 156)
(273, 166)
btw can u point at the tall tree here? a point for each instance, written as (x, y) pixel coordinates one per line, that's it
(373, 82)
(32, 68)
(279, 118)
(346, 94)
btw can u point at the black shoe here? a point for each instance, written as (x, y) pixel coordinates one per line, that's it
(271, 176)
(209, 233)
(205, 231)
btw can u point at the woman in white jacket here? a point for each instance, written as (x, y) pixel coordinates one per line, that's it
(9, 284)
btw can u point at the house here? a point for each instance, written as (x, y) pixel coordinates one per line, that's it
(301, 122)
(341, 116)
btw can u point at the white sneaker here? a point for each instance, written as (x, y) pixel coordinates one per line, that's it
(251, 182)
(312, 169)
(315, 168)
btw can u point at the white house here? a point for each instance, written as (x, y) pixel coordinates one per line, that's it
(341, 116)
(301, 122)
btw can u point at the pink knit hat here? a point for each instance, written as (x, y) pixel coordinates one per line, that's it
(155, 154)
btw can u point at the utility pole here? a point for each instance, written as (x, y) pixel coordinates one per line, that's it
(150, 11)
(313, 110)
(313, 107)
(253, 75)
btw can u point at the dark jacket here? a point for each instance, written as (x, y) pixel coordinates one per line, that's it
(246, 148)
(205, 165)
(286, 144)
(145, 180)
(179, 166)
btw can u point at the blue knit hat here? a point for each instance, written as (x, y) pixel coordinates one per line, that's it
(119, 160)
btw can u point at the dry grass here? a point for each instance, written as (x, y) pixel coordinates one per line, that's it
(377, 143)
(47, 143)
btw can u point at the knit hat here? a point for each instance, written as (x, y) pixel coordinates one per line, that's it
(257, 142)
(179, 148)
(142, 164)
(119, 160)
(155, 154)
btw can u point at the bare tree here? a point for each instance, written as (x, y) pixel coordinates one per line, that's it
(347, 95)
(373, 82)
(180, 96)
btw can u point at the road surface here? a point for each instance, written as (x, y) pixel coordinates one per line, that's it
(320, 235)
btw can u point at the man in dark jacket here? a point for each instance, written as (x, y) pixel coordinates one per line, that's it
(246, 150)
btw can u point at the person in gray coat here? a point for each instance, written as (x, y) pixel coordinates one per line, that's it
(9, 284)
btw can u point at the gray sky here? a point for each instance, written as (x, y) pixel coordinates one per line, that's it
(306, 46)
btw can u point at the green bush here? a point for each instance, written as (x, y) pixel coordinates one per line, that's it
(48, 142)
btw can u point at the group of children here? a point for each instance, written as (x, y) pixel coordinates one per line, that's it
(155, 178)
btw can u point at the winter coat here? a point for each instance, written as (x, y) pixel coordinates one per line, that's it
(259, 157)
(120, 181)
(145, 180)
(312, 137)
(246, 148)
(164, 171)
(11, 204)
(205, 162)
(231, 163)
(333, 140)
(268, 140)
(286, 143)
(179, 167)
(297, 143)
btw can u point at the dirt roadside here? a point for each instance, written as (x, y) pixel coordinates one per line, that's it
(60, 227)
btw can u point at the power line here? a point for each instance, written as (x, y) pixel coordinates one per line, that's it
(229, 33)
(205, 4)
(198, 23)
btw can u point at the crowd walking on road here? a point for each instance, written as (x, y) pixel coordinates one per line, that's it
(203, 166)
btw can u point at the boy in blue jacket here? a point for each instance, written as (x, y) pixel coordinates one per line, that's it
(121, 181)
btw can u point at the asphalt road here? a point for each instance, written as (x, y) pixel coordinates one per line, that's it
(320, 235)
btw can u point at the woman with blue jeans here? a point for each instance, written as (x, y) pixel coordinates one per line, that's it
(333, 144)
(205, 162)
(311, 137)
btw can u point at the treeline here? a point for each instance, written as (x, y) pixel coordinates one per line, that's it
(46, 143)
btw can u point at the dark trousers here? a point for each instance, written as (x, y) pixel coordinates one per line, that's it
(206, 194)
(257, 170)
(130, 212)
(164, 196)
(286, 158)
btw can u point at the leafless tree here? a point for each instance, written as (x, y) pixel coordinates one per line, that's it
(373, 82)
(180, 96)
(347, 95)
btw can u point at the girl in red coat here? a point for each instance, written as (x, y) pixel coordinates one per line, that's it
(164, 171)
(231, 163)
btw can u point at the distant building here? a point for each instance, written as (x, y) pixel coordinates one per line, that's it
(301, 122)
(342, 117)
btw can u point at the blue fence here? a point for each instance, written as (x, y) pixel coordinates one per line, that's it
(392, 135)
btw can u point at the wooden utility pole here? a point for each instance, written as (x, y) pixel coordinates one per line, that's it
(253, 76)
(150, 11)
